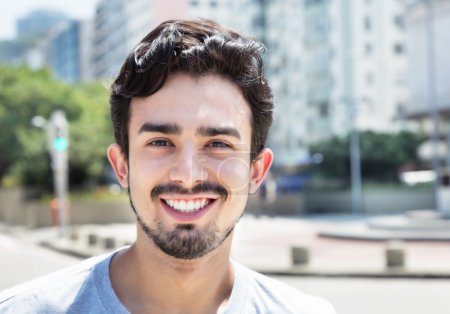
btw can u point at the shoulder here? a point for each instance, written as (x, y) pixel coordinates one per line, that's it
(266, 295)
(51, 293)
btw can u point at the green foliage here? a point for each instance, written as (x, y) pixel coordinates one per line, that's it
(382, 155)
(23, 149)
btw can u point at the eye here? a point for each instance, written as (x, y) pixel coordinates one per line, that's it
(218, 144)
(159, 143)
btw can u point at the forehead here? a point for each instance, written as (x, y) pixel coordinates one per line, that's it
(193, 101)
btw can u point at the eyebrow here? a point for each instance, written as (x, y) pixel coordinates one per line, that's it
(214, 131)
(171, 128)
(165, 128)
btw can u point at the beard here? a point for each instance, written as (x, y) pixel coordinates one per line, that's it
(186, 241)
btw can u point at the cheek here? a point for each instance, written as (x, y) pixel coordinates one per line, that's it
(144, 163)
(146, 171)
(234, 173)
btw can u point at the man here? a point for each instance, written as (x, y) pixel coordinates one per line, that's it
(191, 110)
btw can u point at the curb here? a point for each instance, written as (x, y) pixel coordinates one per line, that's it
(358, 274)
(298, 271)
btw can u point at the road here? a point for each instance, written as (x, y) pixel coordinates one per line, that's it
(20, 262)
(375, 296)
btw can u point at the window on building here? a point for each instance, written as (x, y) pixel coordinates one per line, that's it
(399, 48)
(399, 21)
(400, 110)
(331, 53)
(259, 21)
(401, 78)
(323, 109)
(368, 49)
(370, 79)
(312, 2)
(367, 23)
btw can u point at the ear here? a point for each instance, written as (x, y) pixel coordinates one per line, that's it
(119, 163)
(259, 169)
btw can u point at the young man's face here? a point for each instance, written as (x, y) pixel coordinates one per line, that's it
(189, 171)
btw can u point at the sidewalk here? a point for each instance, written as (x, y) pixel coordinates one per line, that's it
(265, 243)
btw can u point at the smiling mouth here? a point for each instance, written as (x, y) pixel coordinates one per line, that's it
(188, 206)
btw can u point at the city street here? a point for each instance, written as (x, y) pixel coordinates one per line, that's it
(352, 98)
(378, 296)
(20, 262)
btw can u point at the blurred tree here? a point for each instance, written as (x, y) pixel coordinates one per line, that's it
(382, 155)
(90, 134)
(23, 149)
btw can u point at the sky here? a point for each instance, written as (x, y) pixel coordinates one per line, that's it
(11, 10)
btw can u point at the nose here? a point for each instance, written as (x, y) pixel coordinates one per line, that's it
(189, 168)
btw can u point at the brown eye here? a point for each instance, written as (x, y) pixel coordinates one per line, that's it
(159, 143)
(218, 144)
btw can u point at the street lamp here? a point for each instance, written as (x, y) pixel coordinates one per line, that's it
(355, 163)
(39, 122)
(433, 108)
(355, 156)
(58, 143)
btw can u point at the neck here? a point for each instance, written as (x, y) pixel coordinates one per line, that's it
(144, 278)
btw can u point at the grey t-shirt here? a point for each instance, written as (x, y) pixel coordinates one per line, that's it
(86, 288)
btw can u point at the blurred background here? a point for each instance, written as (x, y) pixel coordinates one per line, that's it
(357, 205)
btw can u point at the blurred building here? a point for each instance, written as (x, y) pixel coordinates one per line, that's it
(110, 42)
(11, 51)
(283, 34)
(32, 44)
(428, 37)
(120, 24)
(318, 70)
(38, 22)
(241, 15)
(355, 65)
(71, 48)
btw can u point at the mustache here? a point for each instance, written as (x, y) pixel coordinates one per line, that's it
(204, 187)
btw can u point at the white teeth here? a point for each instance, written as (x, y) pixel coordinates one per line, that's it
(187, 206)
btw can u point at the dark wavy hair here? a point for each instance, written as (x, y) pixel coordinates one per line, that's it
(195, 47)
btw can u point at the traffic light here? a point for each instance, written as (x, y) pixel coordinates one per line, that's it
(60, 142)
(58, 133)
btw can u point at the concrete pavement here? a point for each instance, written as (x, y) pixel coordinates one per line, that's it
(21, 261)
(265, 244)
